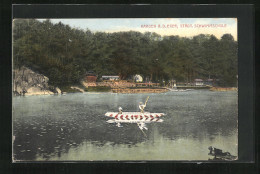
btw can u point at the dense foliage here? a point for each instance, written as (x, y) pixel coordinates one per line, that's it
(65, 54)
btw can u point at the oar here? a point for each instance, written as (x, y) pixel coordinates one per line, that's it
(142, 130)
(146, 100)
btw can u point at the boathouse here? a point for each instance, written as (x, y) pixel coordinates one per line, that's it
(198, 82)
(90, 77)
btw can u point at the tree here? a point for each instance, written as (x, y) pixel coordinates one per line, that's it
(64, 54)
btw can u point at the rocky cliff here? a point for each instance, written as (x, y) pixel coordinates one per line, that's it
(28, 82)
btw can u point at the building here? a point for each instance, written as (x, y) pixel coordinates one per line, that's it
(198, 82)
(209, 82)
(138, 78)
(110, 78)
(90, 77)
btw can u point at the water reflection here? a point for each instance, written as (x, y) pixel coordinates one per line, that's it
(73, 127)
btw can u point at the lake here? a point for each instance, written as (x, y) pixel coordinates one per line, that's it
(73, 126)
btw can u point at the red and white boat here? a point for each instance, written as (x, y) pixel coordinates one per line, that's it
(134, 117)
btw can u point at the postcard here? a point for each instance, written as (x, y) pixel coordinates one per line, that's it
(125, 89)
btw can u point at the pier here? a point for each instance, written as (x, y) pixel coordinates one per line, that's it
(139, 90)
(193, 87)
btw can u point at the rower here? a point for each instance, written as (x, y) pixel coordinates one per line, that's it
(142, 106)
(120, 110)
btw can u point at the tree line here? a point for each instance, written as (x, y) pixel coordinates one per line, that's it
(65, 54)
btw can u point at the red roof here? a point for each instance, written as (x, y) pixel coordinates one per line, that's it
(91, 78)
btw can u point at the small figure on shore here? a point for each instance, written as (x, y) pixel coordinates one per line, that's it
(23, 92)
(120, 110)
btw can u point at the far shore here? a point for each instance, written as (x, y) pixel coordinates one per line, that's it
(124, 91)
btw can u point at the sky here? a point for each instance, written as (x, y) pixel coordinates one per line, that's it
(184, 27)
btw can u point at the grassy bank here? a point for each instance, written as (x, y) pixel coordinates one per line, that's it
(68, 89)
(72, 88)
(98, 89)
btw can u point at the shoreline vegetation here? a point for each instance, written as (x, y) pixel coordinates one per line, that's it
(27, 82)
(53, 58)
(77, 89)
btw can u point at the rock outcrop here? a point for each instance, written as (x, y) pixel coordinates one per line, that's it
(28, 82)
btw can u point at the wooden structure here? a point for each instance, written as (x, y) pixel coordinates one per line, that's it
(147, 84)
(198, 82)
(139, 90)
(90, 77)
(110, 78)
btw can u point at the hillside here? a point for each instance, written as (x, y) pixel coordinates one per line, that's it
(65, 54)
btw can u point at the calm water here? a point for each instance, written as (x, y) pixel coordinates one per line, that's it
(73, 126)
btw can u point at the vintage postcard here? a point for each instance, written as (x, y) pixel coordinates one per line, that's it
(109, 89)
